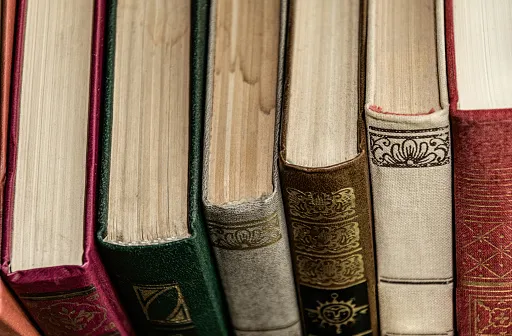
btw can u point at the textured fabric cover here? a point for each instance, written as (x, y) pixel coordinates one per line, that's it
(482, 175)
(185, 265)
(410, 168)
(48, 292)
(258, 282)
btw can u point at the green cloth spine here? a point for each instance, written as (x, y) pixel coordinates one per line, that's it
(174, 278)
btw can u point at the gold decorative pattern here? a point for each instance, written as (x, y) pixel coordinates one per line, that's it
(330, 272)
(337, 313)
(246, 235)
(78, 311)
(491, 313)
(168, 297)
(338, 205)
(326, 239)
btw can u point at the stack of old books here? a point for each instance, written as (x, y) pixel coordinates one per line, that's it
(256, 167)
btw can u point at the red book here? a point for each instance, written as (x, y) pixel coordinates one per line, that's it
(63, 299)
(13, 320)
(481, 116)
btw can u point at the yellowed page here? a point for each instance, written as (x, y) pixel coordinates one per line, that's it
(244, 99)
(322, 92)
(150, 129)
(54, 107)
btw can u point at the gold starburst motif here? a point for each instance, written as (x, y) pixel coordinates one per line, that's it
(336, 313)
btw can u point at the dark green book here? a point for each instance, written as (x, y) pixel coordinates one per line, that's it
(151, 233)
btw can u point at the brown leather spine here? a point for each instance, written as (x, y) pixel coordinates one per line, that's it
(328, 212)
(8, 19)
(329, 220)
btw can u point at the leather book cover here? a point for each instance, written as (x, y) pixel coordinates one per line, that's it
(482, 174)
(64, 300)
(410, 166)
(329, 218)
(167, 288)
(328, 212)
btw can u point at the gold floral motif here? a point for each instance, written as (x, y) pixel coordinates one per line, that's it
(336, 313)
(338, 238)
(69, 312)
(329, 273)
(74, 317)
(246, 235)
(493, 316)
(338, 205)
(155, 298)
(326, 238)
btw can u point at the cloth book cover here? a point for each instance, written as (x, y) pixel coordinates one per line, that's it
(410, 168)
(64, 300)
(167, 287)
(250, 240)
(328, 212)
(482, 174)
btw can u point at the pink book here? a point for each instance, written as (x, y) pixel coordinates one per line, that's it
(58, 51)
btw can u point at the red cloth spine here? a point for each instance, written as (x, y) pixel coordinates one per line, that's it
(482, 153)
(65, 300)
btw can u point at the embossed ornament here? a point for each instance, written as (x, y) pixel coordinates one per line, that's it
(336, 313)
(405, 151)
(69, 317)
(337, 205)
(245, 235)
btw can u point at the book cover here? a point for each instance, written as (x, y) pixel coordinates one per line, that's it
(327, 199)
(64, 300)
(13, 320)
(168, 286)
(248, 234)
(410, 166)
(482, 131)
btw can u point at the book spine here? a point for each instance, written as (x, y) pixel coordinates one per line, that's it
(71, 300)
(410, 165)
(64, 300)
(483, 212)
(251, 246)
(482, 196)
(168, 289)
(329, 220)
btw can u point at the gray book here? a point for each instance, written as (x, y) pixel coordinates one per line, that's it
(241, 194)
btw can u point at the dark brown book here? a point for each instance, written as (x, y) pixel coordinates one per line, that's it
(324, 168)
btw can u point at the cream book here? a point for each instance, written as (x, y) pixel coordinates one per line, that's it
(410, 166)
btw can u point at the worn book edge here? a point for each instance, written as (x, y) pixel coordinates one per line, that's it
(266, 211)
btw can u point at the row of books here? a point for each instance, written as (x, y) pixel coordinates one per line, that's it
(256, 167)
